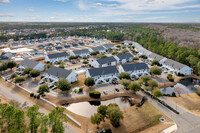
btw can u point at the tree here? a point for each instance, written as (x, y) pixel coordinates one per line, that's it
(102, 110)
(27, 71)
(11, 64)
(85, 57)
(55, 120)
(34, 115)
(19, 79)
(145, 79)
(155, 71)
(44, 124)
(125, 83)
(155, 62)
(42, 89)
(85, 62)
(89, 81)
(135, 58)
(114, 114)
(152, 84)
(135, 86)
(12, 76)
(96, 119)
(124, 75)
(62, 66)
(35, 73)
(198, 67)
(157, 92)
(63, 84)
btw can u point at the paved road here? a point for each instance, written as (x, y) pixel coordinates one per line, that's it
(186, 121)
(12, 95)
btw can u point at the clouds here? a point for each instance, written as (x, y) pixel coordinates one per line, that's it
(61, 0)
(30, 10)
(4, 1)
(6, 15)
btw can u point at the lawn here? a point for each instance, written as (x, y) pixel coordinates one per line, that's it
(191, 102)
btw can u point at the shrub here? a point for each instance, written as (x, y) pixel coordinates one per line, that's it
(38, 96)
(170, 78)
(155, 71)
(95, 94)
(198, 92)
(31, 94)
(173, 94)
(35, 96)
(135, 58)
(80, 89)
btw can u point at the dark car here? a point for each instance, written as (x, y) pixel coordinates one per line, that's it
(116, 89)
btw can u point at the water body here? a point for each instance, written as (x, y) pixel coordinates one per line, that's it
(88, 109)
(185, 86)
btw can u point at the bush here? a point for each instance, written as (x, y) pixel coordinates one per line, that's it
(173, 94)
(35, 96)
(135, 58)
(198, 92)
(95, 94)
(38, 96)
(155, 71)
(31, 94)
(170, 78)
(80, 90)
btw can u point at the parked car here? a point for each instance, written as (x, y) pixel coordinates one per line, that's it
(54, 88)
(51, 86)
(105, 92)
(42, 82)
(116, 89)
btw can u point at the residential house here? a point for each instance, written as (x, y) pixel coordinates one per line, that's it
(56, 57)
(135, 70)
(35, 52)
(123, 58)
(101, 49)
(82, 52)
(53, 74)
(104, 62)
(103, 74)
(27, 63)
(157, 57)
(176, 67)
(109, 46)
(58, 48)
(74, 45)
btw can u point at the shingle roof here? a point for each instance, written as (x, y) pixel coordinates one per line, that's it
(124, 56)
(156, 56)
(98, 48)
(106, 60)
(134, 66)
(108, 46)
(103, 71)
(82, 51)
(29, 63)
(58, 72)
(174, 64)
(67, 46)
(57, 55)
(58, 47)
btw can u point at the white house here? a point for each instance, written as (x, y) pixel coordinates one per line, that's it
(123, 58)
(103, 74)
(135, 70)
(53, 74)
(27, 63)
(104, 62)
(176, 67)
(101, 49)
(157, 57)
(63, 56)
(82, 52)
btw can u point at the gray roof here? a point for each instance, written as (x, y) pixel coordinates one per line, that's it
(134, 66)
(57, 55)
(124, 56)
(174, 64)
(82, 51)
(29, 63)
(103, 71)
(156, 56)
(58, 47)
(98, 48)
(108, 46)
(106, 60)
(58, 72)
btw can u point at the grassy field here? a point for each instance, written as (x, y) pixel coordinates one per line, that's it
(191, 102)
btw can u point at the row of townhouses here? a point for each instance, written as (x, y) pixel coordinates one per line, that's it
(111, 73)
(170, 65)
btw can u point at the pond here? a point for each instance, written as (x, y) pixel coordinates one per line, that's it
(184, 86)
(88, 109)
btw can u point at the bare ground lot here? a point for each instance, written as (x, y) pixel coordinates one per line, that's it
(190, 102)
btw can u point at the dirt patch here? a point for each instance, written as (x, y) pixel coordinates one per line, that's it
(191, 102)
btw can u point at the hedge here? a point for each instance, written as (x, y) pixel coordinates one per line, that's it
(95, 94)
(170, 78)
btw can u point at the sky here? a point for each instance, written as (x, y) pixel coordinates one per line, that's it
(176, 11)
